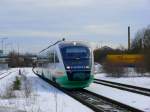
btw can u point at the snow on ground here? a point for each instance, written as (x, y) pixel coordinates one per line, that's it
(46, 98)
(3, 71)
(7, 81)
(136, 81)
(43, 98)
(135, 100)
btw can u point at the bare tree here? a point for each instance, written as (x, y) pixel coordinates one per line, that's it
(141, 44)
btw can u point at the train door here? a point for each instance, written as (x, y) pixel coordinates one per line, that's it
(51, 63)
(56, 65)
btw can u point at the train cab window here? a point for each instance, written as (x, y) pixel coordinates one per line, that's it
(50, 57)
(42, 59)
(75, 52)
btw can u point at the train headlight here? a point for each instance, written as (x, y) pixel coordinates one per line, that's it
(68, 67)
(87, 67)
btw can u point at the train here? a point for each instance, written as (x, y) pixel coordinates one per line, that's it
(70, 64)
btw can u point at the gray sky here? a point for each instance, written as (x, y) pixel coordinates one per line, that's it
(33, 24)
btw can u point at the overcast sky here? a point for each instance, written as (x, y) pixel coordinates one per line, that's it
(33, 24)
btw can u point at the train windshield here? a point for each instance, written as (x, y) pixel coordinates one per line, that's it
(76, 58)
(73, 52)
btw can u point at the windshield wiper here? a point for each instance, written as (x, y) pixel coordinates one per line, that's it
(77, 58)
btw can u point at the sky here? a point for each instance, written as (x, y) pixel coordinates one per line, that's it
(31, 25)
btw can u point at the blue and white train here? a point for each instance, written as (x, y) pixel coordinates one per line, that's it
(69, 64)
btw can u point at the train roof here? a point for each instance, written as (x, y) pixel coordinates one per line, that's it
(73, 43)
(67, 43)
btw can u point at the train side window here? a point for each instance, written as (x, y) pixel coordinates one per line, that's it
(51, 57)
(56, 58)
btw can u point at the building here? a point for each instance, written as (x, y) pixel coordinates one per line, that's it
(3, 60)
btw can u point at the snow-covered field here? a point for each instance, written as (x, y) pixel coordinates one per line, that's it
(136, 81)
(38, 96)
(42, 97)
(135, 100)
(7, 81)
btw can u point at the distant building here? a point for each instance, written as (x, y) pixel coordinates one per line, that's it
(3, 60)
(1, 52)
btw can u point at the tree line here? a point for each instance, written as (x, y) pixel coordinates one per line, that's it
(139, 45)
(20, 60)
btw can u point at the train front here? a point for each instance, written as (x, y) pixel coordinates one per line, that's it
(78, 62)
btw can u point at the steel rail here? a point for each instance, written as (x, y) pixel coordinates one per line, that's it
(126, 87)
(3, 73)
(8, 73)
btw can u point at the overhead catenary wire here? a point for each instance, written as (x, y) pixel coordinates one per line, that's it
(63, 39)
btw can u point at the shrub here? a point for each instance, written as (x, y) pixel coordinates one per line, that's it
(147, 61)
(113, 70)
(17, 84)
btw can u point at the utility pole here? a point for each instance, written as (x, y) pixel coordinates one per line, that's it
(129, 46)
(10, 47)
(18, 48)
(18, 55)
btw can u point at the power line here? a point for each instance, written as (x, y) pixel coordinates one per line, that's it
(52, 45)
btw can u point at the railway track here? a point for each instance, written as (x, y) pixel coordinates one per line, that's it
(3, 73)
(7, 74)
(126, 87)
(94, 101)
(100, 103)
